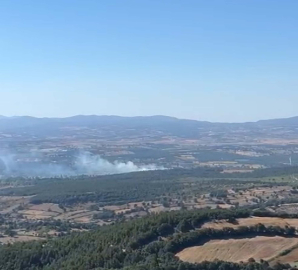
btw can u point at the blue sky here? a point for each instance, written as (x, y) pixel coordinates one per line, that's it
(217, 60)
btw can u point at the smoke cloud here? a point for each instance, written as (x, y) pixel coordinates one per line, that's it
(88, 164)
(83, 164)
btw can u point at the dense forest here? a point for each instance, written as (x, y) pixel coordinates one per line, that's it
(147, 243)
(137, 186)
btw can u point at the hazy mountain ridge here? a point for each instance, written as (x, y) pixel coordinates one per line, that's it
(280, 121)
(139, 125)
(77, 119)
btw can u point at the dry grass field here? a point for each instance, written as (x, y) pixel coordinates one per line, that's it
(291, 258)
(19, 238)
(267, 221)
(49, 207)
(237, 250)
(9, 203)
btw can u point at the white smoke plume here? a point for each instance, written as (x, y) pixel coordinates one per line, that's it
(84, 164)
(88, 164)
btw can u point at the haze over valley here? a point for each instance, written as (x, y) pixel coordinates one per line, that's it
(96, 145)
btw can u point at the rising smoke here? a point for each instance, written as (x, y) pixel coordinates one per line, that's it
(83, 164)
(88, 164)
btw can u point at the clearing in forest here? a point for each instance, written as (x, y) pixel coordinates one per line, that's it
(237, 250)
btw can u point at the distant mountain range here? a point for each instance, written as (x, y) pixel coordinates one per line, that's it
(165, 124)
(105, 119)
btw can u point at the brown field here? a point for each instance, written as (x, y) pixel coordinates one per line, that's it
(41, 211)
(9, 203)
(21, 238)
(37, 213)
(115, 207)
(83, 219)
(237, 250)
(291, 258)
(201, 206)
(158, 209)
(49, 210)
(72, 214)
(124, 207)
(48, 207)
(267, 221)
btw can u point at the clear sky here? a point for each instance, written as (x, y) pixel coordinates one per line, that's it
(216, 60)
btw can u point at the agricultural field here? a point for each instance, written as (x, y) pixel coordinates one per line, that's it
(251, 221)
(290, 257)
(239, 250)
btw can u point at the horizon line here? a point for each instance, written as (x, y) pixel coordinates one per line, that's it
(143, 116)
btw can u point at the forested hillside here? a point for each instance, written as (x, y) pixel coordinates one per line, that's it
(137, 186)
(147, 243)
